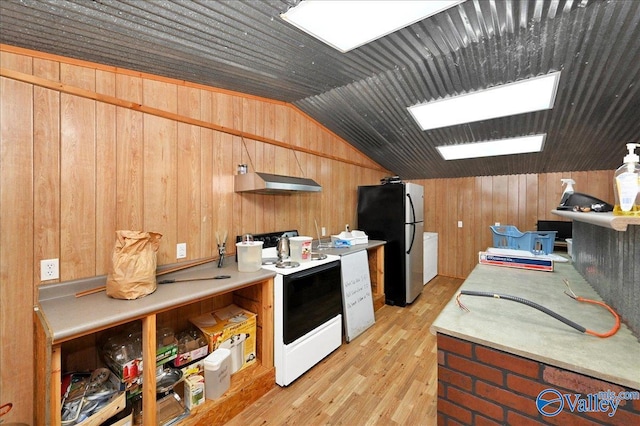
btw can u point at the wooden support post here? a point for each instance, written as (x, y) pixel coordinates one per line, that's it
(149, 370)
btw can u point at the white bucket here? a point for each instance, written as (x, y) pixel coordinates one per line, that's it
(300, 248)
(249, 256)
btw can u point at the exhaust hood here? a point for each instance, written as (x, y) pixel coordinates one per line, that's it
(265, 183)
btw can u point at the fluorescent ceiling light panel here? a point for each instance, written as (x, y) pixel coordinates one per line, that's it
(345, 25)
(519, 145)
(534, 94)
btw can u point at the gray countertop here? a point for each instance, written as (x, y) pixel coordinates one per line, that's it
(341, 251)
(69, 316)
(521, 330)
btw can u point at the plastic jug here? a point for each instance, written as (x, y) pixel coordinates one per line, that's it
(217, 373)
(300, 249)
(249, 256)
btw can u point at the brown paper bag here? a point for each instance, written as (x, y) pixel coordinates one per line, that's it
(133, 269)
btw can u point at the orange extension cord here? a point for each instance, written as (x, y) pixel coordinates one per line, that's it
(609, 333)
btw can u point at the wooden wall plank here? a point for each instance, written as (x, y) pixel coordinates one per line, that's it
(106, 173)
(225, 214)
(208, 243)
(129, 157)
(17, 264)
(500, 197)
(77, 175)
(77, 187)
(488, 216)
(160, 168)
(531, 208)
(160, 184)
(188, 173)
(46, 151)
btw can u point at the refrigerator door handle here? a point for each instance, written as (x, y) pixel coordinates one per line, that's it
(413, 237)
(413, 210)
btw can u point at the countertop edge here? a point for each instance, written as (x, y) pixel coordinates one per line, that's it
(434, 329)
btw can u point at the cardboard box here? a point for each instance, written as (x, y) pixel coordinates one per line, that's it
(167, 353)
(167, 346)
(194, 391)
(233, 328)
(520, 262)
(192, 346)
(129, 372)
(195, 367)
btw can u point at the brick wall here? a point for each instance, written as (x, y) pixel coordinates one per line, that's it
(478, 385)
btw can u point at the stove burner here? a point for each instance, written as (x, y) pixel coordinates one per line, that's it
(287, 264)
(318, 256)
(269, 260)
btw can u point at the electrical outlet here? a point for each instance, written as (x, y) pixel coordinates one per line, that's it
(459, 224)
(324, 231)
(181, 250)
(497, 224)
(49, 269)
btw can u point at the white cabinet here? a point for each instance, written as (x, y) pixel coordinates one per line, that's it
(430, 256)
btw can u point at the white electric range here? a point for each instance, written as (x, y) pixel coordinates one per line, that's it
(307, 309)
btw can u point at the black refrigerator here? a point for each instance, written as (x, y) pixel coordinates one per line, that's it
(393, 212)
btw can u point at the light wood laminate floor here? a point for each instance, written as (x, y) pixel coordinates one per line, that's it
(385, 376)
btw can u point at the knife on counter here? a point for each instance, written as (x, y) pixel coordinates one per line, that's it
(217, 277)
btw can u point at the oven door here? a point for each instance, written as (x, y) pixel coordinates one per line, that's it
(310, 299)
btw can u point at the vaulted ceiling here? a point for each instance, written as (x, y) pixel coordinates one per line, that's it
(363, 95)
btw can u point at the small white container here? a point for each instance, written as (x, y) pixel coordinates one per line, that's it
(570, 247)
(249, 256)
(300, 249)
(217, 373)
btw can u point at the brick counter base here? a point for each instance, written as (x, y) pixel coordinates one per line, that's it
(478, 385)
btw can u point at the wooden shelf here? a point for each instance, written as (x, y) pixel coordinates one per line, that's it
(606, 220)
(54, 327)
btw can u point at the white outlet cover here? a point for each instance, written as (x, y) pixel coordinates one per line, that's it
(49, 269)
(459, 224)
(181, 250)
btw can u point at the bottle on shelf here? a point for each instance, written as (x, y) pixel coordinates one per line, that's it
(626, 185)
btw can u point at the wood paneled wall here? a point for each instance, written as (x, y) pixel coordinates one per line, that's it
(88, 149)
(480, 202)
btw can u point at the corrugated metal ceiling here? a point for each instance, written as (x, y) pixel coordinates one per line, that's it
(363, 95)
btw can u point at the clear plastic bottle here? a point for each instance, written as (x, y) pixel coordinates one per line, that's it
(626, 185)
(568, 190)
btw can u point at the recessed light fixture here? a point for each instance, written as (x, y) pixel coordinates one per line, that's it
(345, 25)
(519, 145)
(533, 94)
